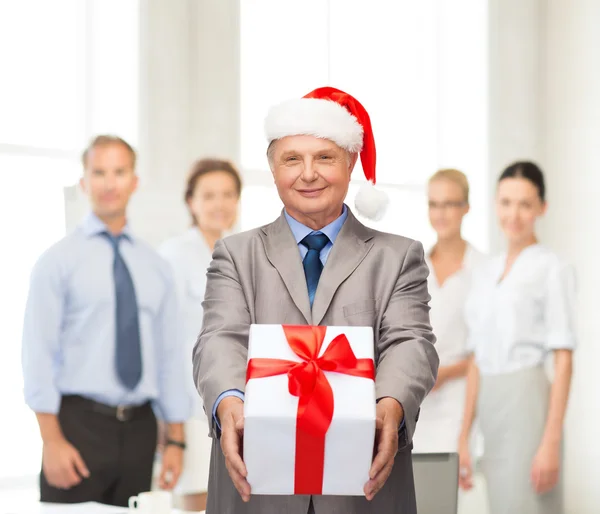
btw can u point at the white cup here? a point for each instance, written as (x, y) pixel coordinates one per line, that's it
(152, 502)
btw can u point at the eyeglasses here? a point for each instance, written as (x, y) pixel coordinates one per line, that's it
(446, 205)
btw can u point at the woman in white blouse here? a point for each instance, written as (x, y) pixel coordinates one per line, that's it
(520, 309)
(212, 195)
(450, 261)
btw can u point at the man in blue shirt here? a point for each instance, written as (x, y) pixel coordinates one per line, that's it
(100, 346)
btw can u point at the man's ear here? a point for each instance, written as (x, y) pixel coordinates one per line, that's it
(352, 161)
(270, 152)
(136, 183)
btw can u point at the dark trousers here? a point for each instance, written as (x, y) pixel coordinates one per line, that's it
(118, 453)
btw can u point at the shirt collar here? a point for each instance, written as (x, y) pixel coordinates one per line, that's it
(332, 230)
(92, 225)
(467, 258)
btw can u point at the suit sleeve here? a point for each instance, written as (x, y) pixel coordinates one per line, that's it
(221, 351)
(407, 360)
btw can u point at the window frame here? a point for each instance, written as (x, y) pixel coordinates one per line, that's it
(85, 65)
(476, 226)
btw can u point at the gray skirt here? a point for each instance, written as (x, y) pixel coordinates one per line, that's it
(512, 412)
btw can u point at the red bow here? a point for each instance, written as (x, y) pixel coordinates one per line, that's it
(315, 407)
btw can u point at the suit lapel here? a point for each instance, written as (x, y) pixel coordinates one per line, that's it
(350, 248)
(282, 252)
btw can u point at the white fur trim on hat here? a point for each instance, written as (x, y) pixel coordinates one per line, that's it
(371, 202)
(315, 117)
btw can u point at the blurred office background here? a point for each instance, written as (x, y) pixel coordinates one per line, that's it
(471, 84)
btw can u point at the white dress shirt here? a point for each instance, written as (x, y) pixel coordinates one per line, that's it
(69, 328)
(441, 412)
(514, 322)
(189, 256)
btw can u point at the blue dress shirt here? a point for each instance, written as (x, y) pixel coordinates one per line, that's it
(299, 231)
(332, 230)
(69, 327)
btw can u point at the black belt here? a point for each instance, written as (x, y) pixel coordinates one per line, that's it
(121, 412)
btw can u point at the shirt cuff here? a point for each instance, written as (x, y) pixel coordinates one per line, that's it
(175, 412)
(48, 403)
(230, 392)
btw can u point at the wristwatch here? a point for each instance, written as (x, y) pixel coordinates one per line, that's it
(179, 444)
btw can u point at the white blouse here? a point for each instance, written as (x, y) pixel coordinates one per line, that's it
(514, 323)
(441, 412)
(447, 308)
(189, 256)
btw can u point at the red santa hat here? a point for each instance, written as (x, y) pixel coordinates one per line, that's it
(329, 113)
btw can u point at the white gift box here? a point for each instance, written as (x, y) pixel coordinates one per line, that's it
(271, 415)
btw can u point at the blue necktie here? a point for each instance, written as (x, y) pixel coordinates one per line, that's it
(312, 261)
(128, 356)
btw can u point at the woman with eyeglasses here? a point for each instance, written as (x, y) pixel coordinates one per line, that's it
(450, 261)
(520, 311)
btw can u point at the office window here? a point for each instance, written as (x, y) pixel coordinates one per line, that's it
(32, 218)
(419, 69)
(259, 205)
(283, 54)
(69, 71)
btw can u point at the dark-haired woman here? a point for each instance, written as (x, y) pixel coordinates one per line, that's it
(212, 196)
(520, 310)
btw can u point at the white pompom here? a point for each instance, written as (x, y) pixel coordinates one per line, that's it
(371, 202)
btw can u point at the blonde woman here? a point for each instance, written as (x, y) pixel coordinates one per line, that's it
(212, 195)
(450, 261)
(520, 310)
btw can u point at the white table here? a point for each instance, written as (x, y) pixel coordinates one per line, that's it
(77, 508)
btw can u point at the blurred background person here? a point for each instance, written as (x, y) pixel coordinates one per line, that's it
(212, 196)
(97, 349)
(520, 309)
(451, 262)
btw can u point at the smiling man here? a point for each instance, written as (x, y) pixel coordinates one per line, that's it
(100, 346)
(318, 265)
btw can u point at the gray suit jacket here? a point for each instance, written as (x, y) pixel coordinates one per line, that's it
(370, 279)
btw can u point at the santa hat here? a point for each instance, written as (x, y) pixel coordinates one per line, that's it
(329, 113)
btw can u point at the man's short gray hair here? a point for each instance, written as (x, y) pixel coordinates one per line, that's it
(270, 151)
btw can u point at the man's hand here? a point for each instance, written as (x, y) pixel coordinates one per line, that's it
(231, 418)
(172, 463)
(389, 418)
(62, 464)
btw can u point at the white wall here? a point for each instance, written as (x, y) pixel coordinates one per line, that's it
(515, 52)
(571, 132)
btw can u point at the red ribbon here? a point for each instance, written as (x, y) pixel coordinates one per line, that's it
(315, 407)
